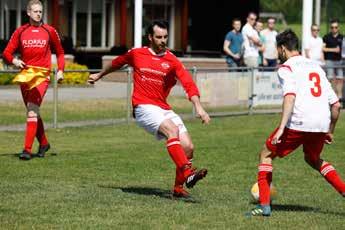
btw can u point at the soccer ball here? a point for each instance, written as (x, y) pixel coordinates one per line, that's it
(254, 191)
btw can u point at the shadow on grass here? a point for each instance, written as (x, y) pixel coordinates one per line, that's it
(147, 191)
(33, 155)
(302, 208)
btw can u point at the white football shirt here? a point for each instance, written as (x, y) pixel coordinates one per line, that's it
(307, 81)
(315, 45)
(250, 50)
(270, 43)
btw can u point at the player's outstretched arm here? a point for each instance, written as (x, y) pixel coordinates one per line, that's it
(288, 104)
(96, 76)
(335, 112)
(205, 118)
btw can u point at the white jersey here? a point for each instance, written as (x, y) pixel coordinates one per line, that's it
(270, 43)
(306, 80)
(250, 50)
(315, 45)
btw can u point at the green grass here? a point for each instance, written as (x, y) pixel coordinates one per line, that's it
(119, 177)
(13, 112)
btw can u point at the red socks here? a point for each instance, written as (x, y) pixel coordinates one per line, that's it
(179, 179)
(31, 129)
(264, 182)
(332, 177)
(41, 137)
(179, 157)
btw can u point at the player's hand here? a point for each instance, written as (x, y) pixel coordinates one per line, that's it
(276, 137)
(236, 56)
(59, 76)
(93, 78)
(337, 49)
(329, 138)
(18, 63)
(205, 118)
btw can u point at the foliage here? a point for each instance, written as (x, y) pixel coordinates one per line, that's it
(292, 9)
(6, 78)
(74, 78)
(70, 78)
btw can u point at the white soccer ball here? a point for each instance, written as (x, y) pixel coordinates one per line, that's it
(254, 191)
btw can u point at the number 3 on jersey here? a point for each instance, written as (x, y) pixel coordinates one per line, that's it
(316, 90)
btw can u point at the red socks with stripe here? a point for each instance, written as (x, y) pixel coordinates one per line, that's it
(179, 157)
(40, 135)
(31, 129)
(264, 182)
(332, 177)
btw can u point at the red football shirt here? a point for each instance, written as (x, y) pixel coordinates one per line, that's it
(155, 75)
(35, 44)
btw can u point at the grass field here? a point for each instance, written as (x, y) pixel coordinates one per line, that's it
(119, 177)
(13, 112)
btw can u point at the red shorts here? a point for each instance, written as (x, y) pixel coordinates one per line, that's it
(291, 139)
(34, 95)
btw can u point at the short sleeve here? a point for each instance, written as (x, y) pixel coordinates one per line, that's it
(287, 80)
(331, 96)
(228, 37)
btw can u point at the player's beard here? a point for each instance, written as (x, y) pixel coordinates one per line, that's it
(282, 56)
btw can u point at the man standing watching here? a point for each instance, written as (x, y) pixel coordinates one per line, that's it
(156, 71)
(313, 48)
(270, 54)
(251, 42)
(233, 42)
(34, 42)
(332, 44)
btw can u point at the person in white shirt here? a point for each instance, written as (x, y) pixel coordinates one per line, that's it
(270, 54)
(313, 48)
(310, 113)
(251, 42)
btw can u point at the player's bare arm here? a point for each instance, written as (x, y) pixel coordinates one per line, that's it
(335, 112)
(288, 104)
(96, 76)
(205, 118)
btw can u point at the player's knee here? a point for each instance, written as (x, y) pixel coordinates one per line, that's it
(32, 114)
(33, 110)
(189, 149)
(172, 131)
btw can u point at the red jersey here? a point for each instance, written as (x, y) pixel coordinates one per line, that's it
(35, 44)
(155, 75)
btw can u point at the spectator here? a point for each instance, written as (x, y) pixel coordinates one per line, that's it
(233, 44)
(251, 42)
(270, 54)
(258, 27)
(332, 43)
(313, 47)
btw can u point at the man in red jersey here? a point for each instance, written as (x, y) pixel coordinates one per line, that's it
(34, 42)
(156, 71)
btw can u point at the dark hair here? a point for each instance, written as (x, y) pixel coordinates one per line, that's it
(160, 23)
(271, 18)
(253, 13)
(259, 21)
(334, 20)
(312, 25)
(236, 20)
(289, 39)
